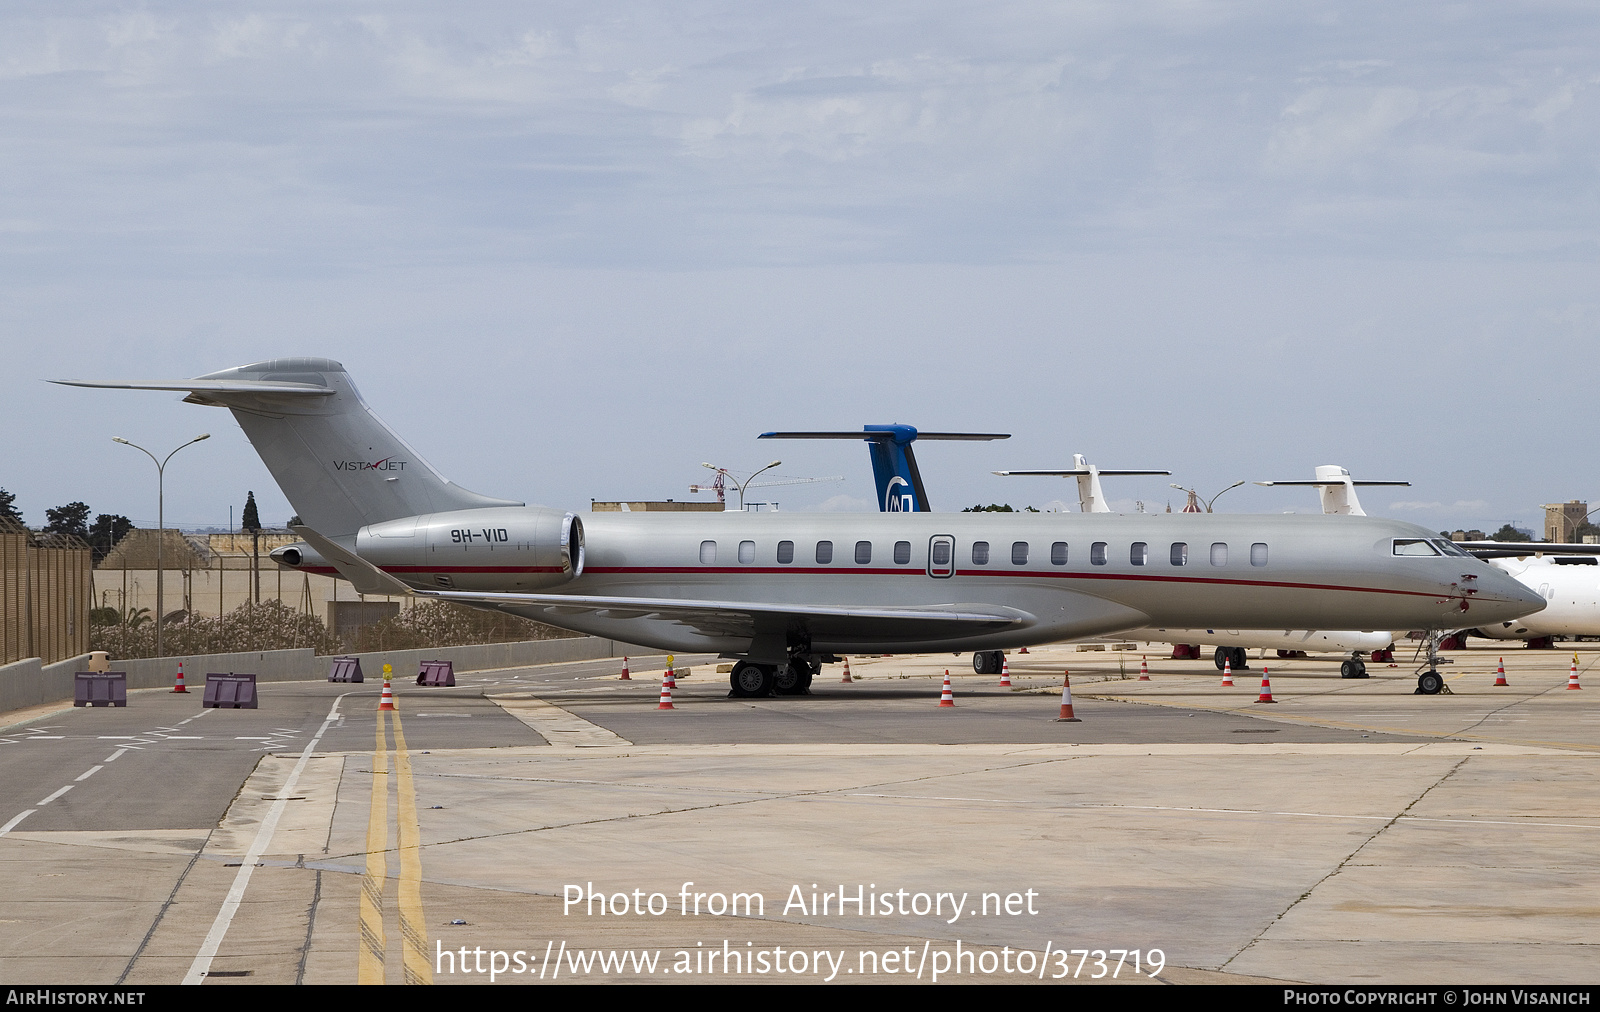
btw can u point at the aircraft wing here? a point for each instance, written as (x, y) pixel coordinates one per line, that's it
(716, 618)
(1522, 549)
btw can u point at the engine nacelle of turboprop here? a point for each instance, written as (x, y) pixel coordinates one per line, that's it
(512, 548)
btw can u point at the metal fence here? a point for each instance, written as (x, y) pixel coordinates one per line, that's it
(46, 590)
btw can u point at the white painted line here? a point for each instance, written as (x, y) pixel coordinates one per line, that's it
(56, 795)
(8, 827)
(267, 738)
(89, 773)
(241, 881)
(116, 737)
(113, 756)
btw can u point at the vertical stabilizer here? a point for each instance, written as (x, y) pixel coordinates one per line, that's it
(339, 466)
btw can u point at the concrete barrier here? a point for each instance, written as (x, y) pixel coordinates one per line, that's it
(29, 682)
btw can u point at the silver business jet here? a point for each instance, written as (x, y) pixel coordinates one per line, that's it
(784, 592)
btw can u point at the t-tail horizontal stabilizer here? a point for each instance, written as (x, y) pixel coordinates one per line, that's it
(1091, 498)
(339, 466)
(1336, 489)
(894, 466)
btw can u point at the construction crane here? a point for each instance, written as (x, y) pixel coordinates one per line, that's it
(724, 477)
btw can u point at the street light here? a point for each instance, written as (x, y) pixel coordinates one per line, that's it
(1213, 499)
(741, 486)
(161, 521)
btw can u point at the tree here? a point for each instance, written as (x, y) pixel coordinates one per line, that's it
(1509, 533)
(991, 508)
(6, 507)
(252, 523)
(73, 518)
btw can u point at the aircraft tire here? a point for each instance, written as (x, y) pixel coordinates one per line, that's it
(1361, 669)
(986, 662)
(1222, 657)
(794, 679)
(1429, 683)
(750, 681)
(1348, 670)
(1241, 660)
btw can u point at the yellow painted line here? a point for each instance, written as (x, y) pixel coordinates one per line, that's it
(369, 957)
(415, 965)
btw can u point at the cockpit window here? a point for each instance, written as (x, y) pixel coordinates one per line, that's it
(1413, 546)
(1449, 548)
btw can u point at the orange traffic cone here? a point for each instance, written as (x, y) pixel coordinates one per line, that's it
(1005, 674)
(1500, 673)
(179, 687)
(624, 676)
(946, 698)
(666, 693)
(1066, 700)
(1227, 673)
(1144, 668)
(387, 702)
(846, 679)
(1266, 689)
(1023, 650)
(1572, 677)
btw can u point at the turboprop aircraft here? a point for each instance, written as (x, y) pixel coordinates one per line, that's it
(784, 592)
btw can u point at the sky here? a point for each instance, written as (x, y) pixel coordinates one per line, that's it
(572, 250)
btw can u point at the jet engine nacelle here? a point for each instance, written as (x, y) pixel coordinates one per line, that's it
(479, 549)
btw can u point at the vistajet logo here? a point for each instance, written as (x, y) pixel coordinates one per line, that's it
(386, 464)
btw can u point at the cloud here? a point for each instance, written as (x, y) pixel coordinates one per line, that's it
(1477, 506)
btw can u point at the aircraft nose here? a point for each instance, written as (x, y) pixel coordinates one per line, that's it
(1502, 597)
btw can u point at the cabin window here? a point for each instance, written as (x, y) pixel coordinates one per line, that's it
(1258, 554)
(1019, 553)
(747, 552)
(824, 552)
(1413, 546)
(1058, 554)
(708, 552)
(1139, 553)
(863, 552)
(786, 552)
(1097, 554)
(941, 553)
(1219, 554)
(902, 552)
(1180, 554)
(980, 553)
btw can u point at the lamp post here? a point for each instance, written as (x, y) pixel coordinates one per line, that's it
(1213, 499)
(740, 485)
(161, 522)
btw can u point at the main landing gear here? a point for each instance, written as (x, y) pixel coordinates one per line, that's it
(752, 681)
(1232, 656)
(1355, 667)
(987, 662)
